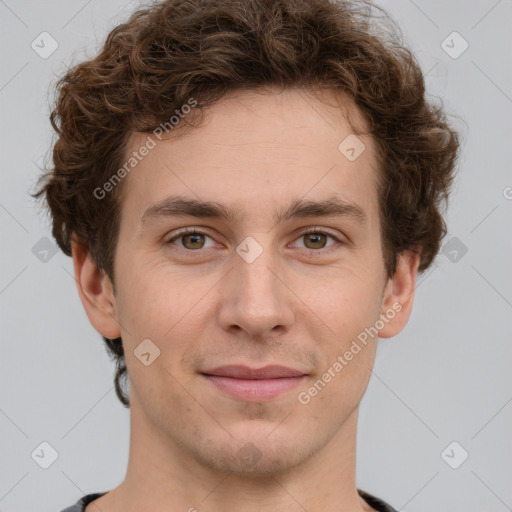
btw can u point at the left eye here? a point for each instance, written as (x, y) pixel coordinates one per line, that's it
(316, 239)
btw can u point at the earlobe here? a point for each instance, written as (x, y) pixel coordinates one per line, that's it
(96, 293)
(398, 296)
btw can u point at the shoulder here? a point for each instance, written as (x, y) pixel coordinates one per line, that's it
(80, 505)
(376, 503)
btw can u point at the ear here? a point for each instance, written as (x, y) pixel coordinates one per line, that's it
(398, 296)
(96, 292)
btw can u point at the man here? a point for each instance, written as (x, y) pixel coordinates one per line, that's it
(248, 190)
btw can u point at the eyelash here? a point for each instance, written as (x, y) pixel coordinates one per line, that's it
(194, 231)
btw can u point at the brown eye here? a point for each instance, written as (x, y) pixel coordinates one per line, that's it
(315, 240)
(191, 240)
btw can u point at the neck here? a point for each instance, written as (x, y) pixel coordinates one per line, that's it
(161, 475)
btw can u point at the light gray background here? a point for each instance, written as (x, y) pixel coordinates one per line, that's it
(445, 378)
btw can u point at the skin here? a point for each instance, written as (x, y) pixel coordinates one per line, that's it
(301, 303)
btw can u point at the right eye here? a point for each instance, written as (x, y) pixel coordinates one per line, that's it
(191, 239)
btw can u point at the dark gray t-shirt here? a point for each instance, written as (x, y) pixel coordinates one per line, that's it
(374, 502)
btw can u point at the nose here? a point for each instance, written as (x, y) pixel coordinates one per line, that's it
(255, 298)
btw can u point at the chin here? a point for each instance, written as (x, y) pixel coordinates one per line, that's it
(254, 454)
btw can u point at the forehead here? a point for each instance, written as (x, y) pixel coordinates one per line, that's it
(252, 149)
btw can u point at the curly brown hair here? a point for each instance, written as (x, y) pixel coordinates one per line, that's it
(174, 50)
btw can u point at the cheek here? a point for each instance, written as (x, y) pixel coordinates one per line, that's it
(153, 308)
(349, 306)
(347, 301)
(167, 310)
(151, 299)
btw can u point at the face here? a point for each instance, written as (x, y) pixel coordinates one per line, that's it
(283, 267)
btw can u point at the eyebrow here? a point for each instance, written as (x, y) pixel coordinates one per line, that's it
(180, 206)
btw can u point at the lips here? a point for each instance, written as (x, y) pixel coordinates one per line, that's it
(254, 385)
(244, 372)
